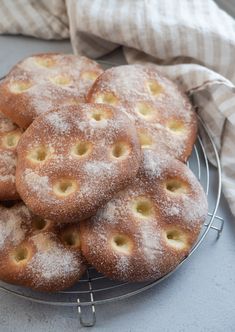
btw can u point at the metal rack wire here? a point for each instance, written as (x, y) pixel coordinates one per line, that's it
(94, 288)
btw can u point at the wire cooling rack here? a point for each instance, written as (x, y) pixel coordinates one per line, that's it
(94, 288)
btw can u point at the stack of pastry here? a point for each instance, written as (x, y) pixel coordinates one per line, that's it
(92, 172)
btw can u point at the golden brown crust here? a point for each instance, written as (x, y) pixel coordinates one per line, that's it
(72, 160)
(36, 253)
(40, 82)
(162, 113)
(9, 136)
(147, 229)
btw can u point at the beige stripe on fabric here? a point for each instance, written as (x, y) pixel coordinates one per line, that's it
(227, 107)
(10, 17)
(53, 24)
(27, 18)
(33, 18)
(83, 41)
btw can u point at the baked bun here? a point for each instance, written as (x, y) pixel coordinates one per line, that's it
(36, 253)
(9, 137)
(74, 159)
(147, 229)
(40, 82)
(162, 113)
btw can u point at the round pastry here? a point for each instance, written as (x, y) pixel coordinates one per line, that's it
(9, 137)
(37, 254)
(147, 229)
(40, 82)
(162, 113)
(73, 159)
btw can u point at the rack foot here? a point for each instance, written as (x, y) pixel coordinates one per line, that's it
(218, 227)
(92, 315)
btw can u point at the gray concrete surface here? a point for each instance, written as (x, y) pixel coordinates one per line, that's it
(198, 297)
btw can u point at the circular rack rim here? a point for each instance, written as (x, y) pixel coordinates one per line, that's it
(6, 287)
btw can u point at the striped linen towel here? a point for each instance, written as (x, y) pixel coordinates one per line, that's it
(191, 41)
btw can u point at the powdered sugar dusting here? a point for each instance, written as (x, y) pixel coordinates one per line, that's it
(123, 265)
(110, 212)
(11, 225)
(195, 209)
(6, 125)
(11, 228)
(7, 165)
(52, 262)
(99, 168)
(191, 209)
(150, 241)
(128, 84)
(192, 206)
(58, 122)
(38, 184)
(153, 163)
(99, 124)
(174, 210)
(7, 159)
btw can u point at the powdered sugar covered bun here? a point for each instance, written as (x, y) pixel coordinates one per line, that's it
(40, 82)
(162, 113)
(147, 229)
(36, 253)
(74, 159)
(9, 137)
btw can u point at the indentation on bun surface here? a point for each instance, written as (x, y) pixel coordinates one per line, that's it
(154, 87)
(10, 140)
(176, 126)
(20, 255)
(143, 207)
(81, 149)
(62, 80)
(89, 75)
(39, 224)
(39, 154)
(45, 61)
(65, 187)
(20, 86)
(145, 110)
(71, 237)
(100, 114)
(121, 243)
(176, 238)
(106, 98)
(176, 186)
(120, 150)
(145, 139)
